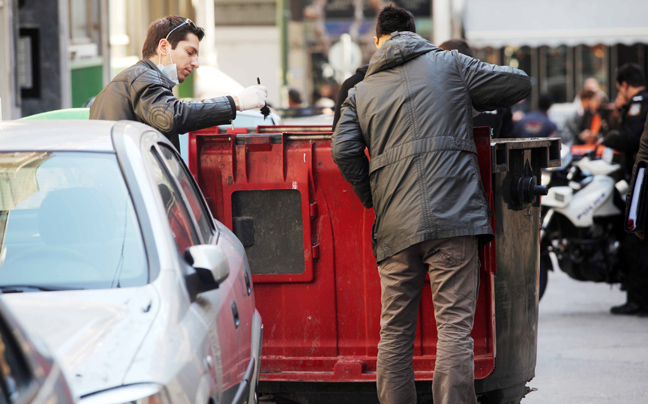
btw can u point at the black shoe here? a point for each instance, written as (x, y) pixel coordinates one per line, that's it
(629, 308)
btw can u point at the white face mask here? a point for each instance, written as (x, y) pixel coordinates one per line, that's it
(171, 71)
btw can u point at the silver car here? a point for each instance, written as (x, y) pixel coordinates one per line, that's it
(28, 374)
(142, 295)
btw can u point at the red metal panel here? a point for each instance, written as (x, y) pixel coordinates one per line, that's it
(323, 325)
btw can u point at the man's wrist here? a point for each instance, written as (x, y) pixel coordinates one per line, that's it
(237, 103)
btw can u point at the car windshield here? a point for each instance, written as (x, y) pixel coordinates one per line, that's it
(67, 222)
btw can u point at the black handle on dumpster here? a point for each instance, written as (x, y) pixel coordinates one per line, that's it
(525, 189)
(540, 190)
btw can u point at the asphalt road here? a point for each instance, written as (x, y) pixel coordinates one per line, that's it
(585, 354)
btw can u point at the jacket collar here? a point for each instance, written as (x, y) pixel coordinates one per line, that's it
(398, 49)
(165, 80)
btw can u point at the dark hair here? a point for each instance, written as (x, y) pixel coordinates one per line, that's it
(392, 19)
(160, 28)
(295, 96)
(586, 94)
(544, 102)
(459, 44)
(630, 73)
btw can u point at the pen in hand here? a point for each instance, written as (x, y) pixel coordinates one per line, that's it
(265, 111)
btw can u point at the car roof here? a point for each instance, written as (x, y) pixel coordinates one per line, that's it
(56, 135)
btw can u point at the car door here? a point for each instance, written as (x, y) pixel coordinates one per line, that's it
(231, 324)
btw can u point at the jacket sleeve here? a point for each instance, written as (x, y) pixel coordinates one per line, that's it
(155, 104)
(348, 149)
(491, 86)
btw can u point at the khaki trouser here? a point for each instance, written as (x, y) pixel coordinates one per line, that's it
(453, 266)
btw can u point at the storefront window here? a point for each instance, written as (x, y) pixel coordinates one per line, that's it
(518, 58)
(488, 55)
(630, 54)
(591, 61)
(555, 80)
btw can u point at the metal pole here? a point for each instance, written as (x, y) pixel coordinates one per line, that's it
(64, 53)
(283, 18)
(104, 19)
(442, 19)
(9, 90)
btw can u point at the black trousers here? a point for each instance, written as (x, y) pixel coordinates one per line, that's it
(635, 269)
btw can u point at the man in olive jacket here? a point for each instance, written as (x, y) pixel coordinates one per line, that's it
(143, 92)
(413, 112)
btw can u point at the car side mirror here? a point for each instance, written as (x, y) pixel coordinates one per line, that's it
(210, 263)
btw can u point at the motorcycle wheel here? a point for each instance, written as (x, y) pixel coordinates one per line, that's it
(544, 278)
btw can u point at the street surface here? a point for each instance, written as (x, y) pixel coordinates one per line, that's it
(586, 355)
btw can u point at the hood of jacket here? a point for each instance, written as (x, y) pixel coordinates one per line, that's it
(398, 49)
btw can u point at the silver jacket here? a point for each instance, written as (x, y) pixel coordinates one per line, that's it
(413, 112)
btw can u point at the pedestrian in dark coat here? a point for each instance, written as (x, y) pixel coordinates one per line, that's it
(633, 139)
(413, 112)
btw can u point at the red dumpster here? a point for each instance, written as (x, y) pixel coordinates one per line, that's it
(307, 239)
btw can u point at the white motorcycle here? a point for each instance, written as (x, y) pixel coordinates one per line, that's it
(582, 222)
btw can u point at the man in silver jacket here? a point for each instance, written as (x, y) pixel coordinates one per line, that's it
(144, 91)
(413, 112)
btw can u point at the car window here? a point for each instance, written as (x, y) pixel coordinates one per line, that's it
(184, 232)
(190, 189)
(67, 221)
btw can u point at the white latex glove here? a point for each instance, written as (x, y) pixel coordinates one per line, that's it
(251, 98)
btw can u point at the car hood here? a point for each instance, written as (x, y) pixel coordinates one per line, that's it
(94, 334)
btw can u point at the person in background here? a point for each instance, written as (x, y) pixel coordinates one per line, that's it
(323, 99)
(584, 126)
(616, 111)
(537, 123)
(631, 86)
(143, 92)
(591, 83)
(500, 120)
(518, 110)
(632, 139)
(424, 184)
(295, 98)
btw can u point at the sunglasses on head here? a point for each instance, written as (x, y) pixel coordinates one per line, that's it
(186, 22)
